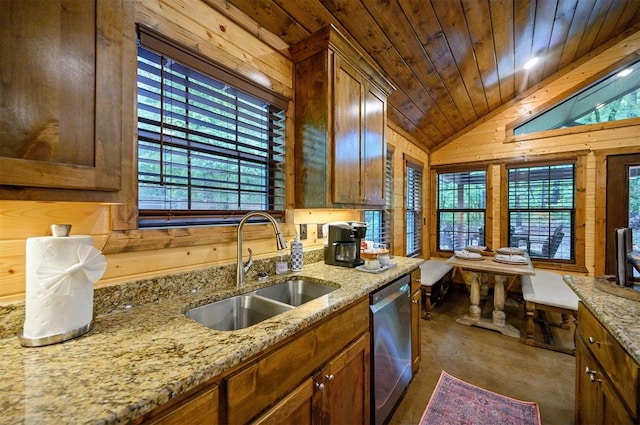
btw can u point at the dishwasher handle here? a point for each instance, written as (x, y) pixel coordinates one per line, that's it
(403, 291)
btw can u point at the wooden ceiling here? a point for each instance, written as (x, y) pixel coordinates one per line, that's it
(454, 61)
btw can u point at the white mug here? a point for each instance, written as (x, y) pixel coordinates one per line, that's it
(372, 264)
(384, 259)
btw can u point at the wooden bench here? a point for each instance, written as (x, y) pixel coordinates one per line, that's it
(547, 291)
(435, 274)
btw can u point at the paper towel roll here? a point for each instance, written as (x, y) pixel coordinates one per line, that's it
(60, 273)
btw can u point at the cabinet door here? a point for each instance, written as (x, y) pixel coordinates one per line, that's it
(415, 330)
(62, 96)
(374, 147)
(588, 390)
(348, 112)
(345, 398)
(596, 401)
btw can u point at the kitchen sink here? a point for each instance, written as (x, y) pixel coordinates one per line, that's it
(245, 310)
(295, 292)
(236, 312)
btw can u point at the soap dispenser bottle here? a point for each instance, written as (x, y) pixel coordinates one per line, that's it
(296, 254)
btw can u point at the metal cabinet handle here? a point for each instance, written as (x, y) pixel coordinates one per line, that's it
(414, 301)
(592, 374)
(329, 377)
(320, 386)
(594, 341)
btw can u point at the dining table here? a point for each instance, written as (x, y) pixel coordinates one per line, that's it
(502, 270)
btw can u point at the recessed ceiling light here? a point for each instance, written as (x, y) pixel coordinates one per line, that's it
(531, 63)
(625, 72)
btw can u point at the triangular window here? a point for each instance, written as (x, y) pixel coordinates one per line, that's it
(614, 98)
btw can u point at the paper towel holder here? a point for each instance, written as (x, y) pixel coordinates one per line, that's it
(54, 339)
(60, 230)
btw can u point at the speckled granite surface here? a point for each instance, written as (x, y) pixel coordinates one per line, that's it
(619, 315)
(138, 358)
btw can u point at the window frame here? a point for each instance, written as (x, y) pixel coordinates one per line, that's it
(510, 136)
(581, 164)
(386, 214)
(161, 45)
(569, 234)
(417, 211)
(436, 210)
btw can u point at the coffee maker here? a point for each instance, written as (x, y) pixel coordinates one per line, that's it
(343, 243)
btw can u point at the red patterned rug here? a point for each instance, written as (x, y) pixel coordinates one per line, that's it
(457, 402)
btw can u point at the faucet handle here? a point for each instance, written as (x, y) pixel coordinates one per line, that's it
(249, 262)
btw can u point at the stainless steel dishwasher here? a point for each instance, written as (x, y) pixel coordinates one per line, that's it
(390, 346)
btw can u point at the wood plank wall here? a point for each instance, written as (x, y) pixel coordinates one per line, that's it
(252, 52)
(490, 142)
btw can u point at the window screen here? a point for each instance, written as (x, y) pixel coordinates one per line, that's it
(413, 209)
(208, 151)
(461, 209)
(379, 222)
(542, 210)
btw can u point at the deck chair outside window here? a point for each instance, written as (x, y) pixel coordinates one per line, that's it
(550, 246)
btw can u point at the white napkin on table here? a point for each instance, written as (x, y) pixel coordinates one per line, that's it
(511, 258)
(466, 254)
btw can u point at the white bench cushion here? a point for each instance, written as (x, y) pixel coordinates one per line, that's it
(548, 288)
(432, 271)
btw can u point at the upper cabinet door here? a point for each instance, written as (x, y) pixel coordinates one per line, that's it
(348, 114)
(374, 147)
(61, 99)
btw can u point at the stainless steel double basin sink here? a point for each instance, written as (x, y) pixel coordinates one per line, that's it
(242, 311)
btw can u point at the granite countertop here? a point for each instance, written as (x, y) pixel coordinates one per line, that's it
(137, 359)
(620, 316)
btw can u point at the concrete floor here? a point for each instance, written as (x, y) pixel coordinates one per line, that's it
(492, 361)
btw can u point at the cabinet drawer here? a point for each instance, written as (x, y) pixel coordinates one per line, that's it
(262, 383)
(201, 409)
(621, 369)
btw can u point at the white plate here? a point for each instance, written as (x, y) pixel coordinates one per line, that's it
(378, 270)
(510, 251)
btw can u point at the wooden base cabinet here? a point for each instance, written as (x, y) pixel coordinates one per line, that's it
(606, 376)
(416, 311)
(338, 393)
(333, 354)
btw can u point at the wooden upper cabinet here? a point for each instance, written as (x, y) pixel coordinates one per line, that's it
(64, 119)
(340, 124)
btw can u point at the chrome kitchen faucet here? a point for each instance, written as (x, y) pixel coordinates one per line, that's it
(242, 269)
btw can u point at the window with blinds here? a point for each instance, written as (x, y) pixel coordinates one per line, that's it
(211, 145)
(413, 209)
(461, 209)
(541, 203)
(380, 222)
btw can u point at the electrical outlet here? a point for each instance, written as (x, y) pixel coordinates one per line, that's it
(303, 231)
(319, 233)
